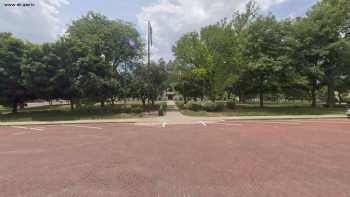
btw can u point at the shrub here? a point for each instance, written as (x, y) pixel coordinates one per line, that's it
(180, 104)
(347, 100)
(137, 110)
(161, 110)
(165, 105)
(220, 106)
(214, 107)
(150, 107)
(210, 107)
(193, 106)
(231, 105)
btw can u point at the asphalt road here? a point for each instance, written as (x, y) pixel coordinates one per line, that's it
(309, 158)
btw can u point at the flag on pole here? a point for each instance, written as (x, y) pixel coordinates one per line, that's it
(150, 32)
(149, 42)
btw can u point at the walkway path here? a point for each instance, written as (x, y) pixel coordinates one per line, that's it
(173, 113)
(172, 116)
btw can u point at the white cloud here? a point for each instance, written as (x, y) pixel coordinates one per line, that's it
(38, 23)
(171, 18)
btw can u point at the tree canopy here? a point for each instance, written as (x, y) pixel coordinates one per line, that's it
(258, 56)
(96, 60)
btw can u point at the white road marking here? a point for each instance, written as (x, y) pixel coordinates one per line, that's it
(84, 127)
(295, 122)
(266, 122)
(18, 127)
(28, 128)
(148, 124)
(287, 123)
(326, 121)
(164, 124)
(36, 129)
(229, 124)
(21, 133)
(203, 123)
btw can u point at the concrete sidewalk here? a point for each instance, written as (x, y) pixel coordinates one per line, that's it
(168, 120)
(173, 116)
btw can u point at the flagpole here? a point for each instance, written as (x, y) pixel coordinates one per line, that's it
(149, 44)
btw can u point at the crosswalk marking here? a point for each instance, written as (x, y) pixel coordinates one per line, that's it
(203, 123)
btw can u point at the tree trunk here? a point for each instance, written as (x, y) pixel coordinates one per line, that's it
(22, 105)
(261, 98)
(143, 102)
(102, 104)
(313, 93)
(314, 102)
(14, 107)
(330, 87)
(261, 92)
(330, 94)
(341, 100)
(71, 104)
(78, 104)
(242, 99)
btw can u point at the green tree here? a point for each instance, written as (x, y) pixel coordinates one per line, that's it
(150, 81)
(224, 57)
(330, 20)
(306, 56)
(191, 68)
(117, 42)
(12, 86)
(64, 55)
(265, 53)
(38, 75)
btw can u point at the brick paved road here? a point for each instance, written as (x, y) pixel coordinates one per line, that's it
(243, 159)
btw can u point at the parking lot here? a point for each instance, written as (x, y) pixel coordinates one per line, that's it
(227, 158)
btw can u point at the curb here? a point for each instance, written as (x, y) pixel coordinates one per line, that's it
(286, 117)
(66, 122)
(190, 119)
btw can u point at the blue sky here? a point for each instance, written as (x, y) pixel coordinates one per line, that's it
(170, 18)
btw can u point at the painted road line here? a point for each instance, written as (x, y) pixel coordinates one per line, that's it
(266, 122)
(228, 124)
(21, 133)
(18, 127)
(36, 129)
(28, 128)
(287, 123)
(164, 124)
(83, 127)
(325, 122)
(147, 124)
(203, 123)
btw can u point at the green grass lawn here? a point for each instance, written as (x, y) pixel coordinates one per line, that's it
(62, 113)
(2, 109)
(271, 110)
